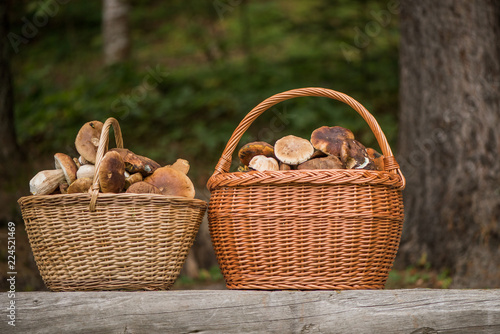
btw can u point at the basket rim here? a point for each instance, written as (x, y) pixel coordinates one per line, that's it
(309, 176)
(88, 196)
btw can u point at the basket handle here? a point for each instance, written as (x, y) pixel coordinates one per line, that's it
(101, 150)
(390, 162)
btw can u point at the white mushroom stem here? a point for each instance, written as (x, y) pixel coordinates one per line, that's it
(46, 181)
(85, 171)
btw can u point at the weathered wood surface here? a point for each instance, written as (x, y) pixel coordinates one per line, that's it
(385, 311)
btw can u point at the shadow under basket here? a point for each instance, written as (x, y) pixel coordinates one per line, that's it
(97, 241)
(330, 229)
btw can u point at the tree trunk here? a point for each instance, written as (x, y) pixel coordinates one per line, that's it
(116, 33)
(8, 145)
(450, 138)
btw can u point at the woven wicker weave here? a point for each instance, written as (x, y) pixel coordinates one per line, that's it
(306, 229)
(110, 241)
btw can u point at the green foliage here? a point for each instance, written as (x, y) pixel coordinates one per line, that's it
(420, 275)
(194, 75)
(204, 277)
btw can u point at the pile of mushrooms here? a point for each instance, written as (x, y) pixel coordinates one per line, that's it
(121, 170)
(329, 148)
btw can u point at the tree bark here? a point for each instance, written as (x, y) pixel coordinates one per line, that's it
(116, 32)
(449, 137)
(9, 148)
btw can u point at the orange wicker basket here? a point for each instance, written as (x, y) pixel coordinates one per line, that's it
(98, 241)
(306, 229)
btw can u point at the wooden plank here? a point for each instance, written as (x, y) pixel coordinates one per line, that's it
(225, 311)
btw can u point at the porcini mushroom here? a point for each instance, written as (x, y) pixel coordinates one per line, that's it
(87, 140)
(284, 166)
(65, 163)
(181, 165)
(263, 163)
(134, 178)
(111, 173)
(329, 162)
(135, 163)
(250, 150)
(81, 185)
(142, 187)
(354, 156)
(378, 159)
(293, 150)
(171, 182)
(46, 181)
(329, 139)
(85, 171)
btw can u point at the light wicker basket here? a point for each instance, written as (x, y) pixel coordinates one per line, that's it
(110, 241)
(306, 229)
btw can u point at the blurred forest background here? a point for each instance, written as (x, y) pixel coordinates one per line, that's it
(188, 74)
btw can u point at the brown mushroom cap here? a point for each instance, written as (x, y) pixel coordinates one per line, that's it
(293, 150)
(181, 165)
(81, 185)
(329, 139)
(87, 140)
(172, 182)
(111, 173)
(378, 159)
(68, 166)
(329, 162)
(354, 156)
(263, 163)
(250, 150)
(318, 154)
(135, 163)
(142, 187)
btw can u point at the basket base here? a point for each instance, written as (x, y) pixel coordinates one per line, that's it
(251, 282)
(108, 285)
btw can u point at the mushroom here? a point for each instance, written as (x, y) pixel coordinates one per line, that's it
(82, 161)
(284, 166)
(130, 180)
(354, 156)
(135, 163)
(87, 140)
(318, 154)
(63, 188)
(250, 150)
(329, 162)
(293, 150)
(263, 163)
(142, 187)
(378, 159)
(81, 185)
(77, 163)
(171, 182)
(181, 165)
(111, 173)
(46, 181)
(65, 163)
(85, 171)
(329, 139)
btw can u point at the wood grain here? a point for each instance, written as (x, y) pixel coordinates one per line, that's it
(229, 311)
